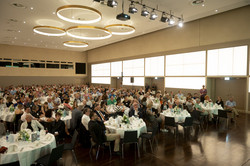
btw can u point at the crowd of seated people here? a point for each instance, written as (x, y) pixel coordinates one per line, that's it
(90, 106)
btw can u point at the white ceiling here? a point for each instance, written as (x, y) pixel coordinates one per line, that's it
(15, 32)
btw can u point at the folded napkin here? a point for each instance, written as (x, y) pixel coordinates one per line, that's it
(12, 148)
(48, 137)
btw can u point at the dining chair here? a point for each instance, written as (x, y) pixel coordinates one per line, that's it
(151, 136)
(99, 146)
(50, 159)
(129, 138)
(222, 114)
(188, 123)
(71, 146)
(170, 121)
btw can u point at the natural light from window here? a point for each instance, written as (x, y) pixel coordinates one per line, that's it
(116, 68)
(227, 61)
(186, 64)
(133, 67)
(102, 69)
(138, 81)
(184, 82)
(154, 66)
(100, 80)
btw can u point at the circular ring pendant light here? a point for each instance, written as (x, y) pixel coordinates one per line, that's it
(120, 29)
(79, 14)
(89, 32)
(49, 30)
(76, 44)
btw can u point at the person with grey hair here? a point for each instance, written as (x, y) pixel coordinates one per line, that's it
(231, 106)
(33, 125)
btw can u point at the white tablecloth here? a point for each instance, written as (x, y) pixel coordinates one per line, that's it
(179, 117)
(115, 126)
(27, 152)
(211, 108)
(6, 115)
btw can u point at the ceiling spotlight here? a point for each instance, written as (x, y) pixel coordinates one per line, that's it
(132, 9)
(164, 18)
(144, 11)
(153, 15)
(112, 3)
(171, 20)
(180, 23)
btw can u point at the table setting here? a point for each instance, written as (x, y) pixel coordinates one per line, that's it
(7, 114)
(211, 108)
(26, 146)
(178, 114)
(120, 124)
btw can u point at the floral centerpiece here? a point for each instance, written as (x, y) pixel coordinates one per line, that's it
(125, 119)
(177, 110)
(62, 112)
(23, 135)
(12, 108)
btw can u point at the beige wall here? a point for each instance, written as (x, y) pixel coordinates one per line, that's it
(28, 76)
(32, 53)
(35, 80)
(228, 27)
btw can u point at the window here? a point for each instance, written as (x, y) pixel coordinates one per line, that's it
(64, 66)
(5, 64)
(21, 64)
(52, 66)
(186, 64)
(138, 81)
(184, 82)
(102, 69)
(116, 68)
(37, 65)
(154, 66)
(100, 80)
(227, 61)
(133, 67)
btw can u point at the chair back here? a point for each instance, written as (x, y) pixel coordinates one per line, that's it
(169, 121)
(222, 114)
(74, 138)
(130, 137)
(56, 154)
(188, 121)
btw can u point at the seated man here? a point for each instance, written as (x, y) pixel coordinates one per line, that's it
(85, 118)
(26, 112)
(58, 127)
(99, 112)
(97, 130)
(230, 105)
(33, 125)
(136, 111)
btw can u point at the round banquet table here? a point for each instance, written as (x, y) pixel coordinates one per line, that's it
(6, 115)
(211, 108)
(115, 126)
(179, 117)
(27, 152)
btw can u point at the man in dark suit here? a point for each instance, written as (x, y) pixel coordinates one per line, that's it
(58, 127)
(99, 112)
(97, 130)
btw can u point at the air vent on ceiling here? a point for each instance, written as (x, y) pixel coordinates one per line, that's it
(11, 30)
(197, 2)
(19, 5)
(13, 20)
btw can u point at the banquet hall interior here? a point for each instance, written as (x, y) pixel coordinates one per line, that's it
(125, 82)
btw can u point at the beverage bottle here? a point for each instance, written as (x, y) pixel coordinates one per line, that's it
(7, 136)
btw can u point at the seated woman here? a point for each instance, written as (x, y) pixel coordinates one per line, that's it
(189, 104)
(33, 125)
(136, 111)
(207, 99)
(219, 101)
(66, 105)
(164, 106)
